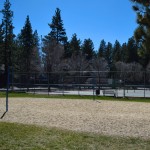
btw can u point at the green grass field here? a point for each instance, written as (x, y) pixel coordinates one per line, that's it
(15, 136)
(3, 94)
(28, 137)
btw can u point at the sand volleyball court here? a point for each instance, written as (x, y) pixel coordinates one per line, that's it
(103, 117)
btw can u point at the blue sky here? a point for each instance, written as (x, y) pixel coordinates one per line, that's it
(96, 19)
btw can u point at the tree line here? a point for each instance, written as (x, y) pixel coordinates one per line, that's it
(21, 53)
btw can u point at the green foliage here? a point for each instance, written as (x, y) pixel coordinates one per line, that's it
(108, 54)
(25, 39)
(124, 50)
(7, 35)
(27, 49)
(67, 51)
(75, 45)
(2, 45)
(35, 56)
(88, 49)
(116, 54)
(55, 40)
(35, 39)
(22, 52)
(18, 136)
(102, 49)
(57, 30)
(18, 57)
(142, 33)
(132, 51)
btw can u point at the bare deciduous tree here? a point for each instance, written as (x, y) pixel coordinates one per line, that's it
(132, 72)
(53, 56)
(100, 68)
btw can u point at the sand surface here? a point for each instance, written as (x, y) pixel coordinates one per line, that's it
(103, 117)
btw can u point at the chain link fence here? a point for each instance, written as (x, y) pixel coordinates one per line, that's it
(124, 84)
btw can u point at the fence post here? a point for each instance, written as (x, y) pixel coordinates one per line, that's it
(93, 89)
(48, 83)
(63, 83)
(79, 88)
(124, 85)
(12, 79)
(34, 81)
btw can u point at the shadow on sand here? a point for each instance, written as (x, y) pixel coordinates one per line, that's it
(3, 115)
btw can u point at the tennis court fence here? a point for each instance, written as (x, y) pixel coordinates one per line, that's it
(125, 84)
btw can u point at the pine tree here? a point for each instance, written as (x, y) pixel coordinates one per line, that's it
(116, 54)
(55, 42)
(124, 55)
(2, 45)
(18, 58)
(131, 53)
(75, 45)
(108, 55)
(102, 49)
(35, 56)
(7, 29)
(88, 49)
(142, 33)
(67, 51)
(57, 30)
(26, 45)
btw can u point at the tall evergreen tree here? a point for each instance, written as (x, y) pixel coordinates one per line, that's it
(67, 51)
(102, 49)
(7, 29)
(35, 56)
(124, 55)
(56, 40)
(58, 32)
(108, 55)
(2, 45)
(142, 33)
(35, 38)
(75, 45)
(26, 45)
(18, 58)
(116, 54)
(6, 39)
(88, 48)
(131, 53)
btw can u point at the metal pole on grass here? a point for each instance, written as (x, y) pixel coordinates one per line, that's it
(124, 85)
(79, 84)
